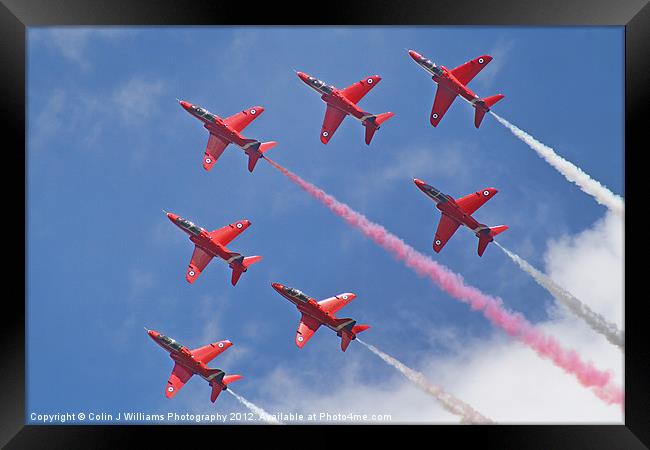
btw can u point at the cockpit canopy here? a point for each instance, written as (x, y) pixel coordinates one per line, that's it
(431, 189)
(189, 226)
(201, 112)
(429, 64)
(435, 193)
(426, 62)
(170, 342)
(320, 85)
(295, 293)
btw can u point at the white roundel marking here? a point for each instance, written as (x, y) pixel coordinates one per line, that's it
(239, 225)
(434, 115)
(345, 297)
(253, 111)
(370, 80)
(300, 338)
(486, 193)
(437, 241)
(191, 273)
(170, 388)
(325, 134)
(208, 160)
(480, 60)
(221, 344)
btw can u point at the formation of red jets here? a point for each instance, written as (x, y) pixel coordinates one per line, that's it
(340, 103)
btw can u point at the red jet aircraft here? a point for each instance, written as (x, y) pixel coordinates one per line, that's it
(452, 83)
(227, 131)
(315, 314)
(210, 244)
(459, 212)
(341, 103)
(194, 362)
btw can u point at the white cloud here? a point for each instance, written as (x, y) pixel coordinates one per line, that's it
(137, 98)
(49, 119)
(140, 281)
(233, 57)
(84, 116)
(590, 265)
(73, 42)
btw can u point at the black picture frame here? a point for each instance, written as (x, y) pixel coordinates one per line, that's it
(634, 15)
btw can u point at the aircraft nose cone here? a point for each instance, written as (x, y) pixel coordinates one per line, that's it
(152, 334)
(185, 104)
(415, 55)
(171, 216)
(302, 75)
(277, 286)
(420, 184)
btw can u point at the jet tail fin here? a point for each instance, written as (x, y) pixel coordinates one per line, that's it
(242, 266)
(220, 383)
(480, 112)
(254, 156)
(373, 123)
(486, 236)
(478, 117)
(216, 390)
(349, 332)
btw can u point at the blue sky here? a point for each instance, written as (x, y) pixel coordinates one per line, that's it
(109, 148)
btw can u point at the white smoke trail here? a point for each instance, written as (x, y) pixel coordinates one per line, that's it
(449, 402)
(572, 173)
(597, 322)
(266, 417)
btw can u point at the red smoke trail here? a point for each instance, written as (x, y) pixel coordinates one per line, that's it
(492, 308)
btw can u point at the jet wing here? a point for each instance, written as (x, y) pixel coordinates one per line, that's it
(358, 90)
(306, 329)
(444, 99)
(200, 259)
(208, 352)
(466, 72)
(177, 380)
(446, 229)
(213, 151)
(333, 118)
(225, 235)
(333, 304)
(241, 120)
(472, 202)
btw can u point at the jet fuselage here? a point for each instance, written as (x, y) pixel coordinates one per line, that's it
(182, 355)
(201, 237)
(446, 80)
(448, 205)
(215, 125)
(309, 306)
(333, 97)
